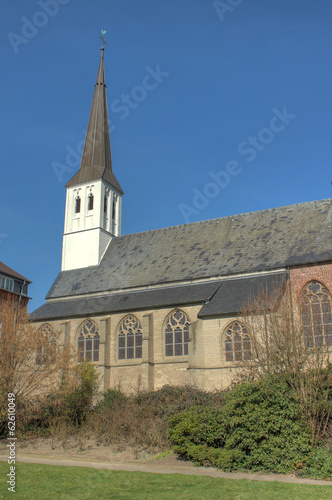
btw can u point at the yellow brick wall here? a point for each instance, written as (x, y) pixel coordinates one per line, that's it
(205, 365)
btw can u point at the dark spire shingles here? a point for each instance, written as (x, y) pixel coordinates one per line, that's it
(96, 160)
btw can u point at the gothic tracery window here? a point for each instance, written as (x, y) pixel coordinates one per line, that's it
(130, 338)
(47, 345)
(177, 333)
(88, 342)
(237, 342)
(316, 314)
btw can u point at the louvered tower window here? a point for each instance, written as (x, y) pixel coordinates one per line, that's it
(77, 205)
(90, 201)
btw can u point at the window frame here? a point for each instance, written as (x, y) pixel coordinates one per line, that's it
(114, 210)
(88, 341)
(77, 208)
(6, 283)
(316, 307)
(90, 202)
(176, 335)
(240, 354)
(131, 331)
(46, 351)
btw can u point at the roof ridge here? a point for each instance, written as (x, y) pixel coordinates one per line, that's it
(274, 209)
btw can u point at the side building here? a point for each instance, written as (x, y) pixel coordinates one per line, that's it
(13, 285)
(164, 306)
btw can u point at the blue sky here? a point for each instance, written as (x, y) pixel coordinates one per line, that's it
(240, 119)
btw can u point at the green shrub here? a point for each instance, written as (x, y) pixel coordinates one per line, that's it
(72, 403)
(318, 465)
(260, 427)
(196, 426)
(264, 421)
(112, 398)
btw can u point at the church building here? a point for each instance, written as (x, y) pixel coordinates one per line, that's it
(164, 306)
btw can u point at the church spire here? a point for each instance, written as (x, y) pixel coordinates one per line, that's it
(96, 160)
(94, 196)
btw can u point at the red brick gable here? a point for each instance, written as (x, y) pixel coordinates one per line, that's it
(300, 276)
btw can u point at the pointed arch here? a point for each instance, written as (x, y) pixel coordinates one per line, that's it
(114, 209)
(130, 338)
(316, 312)
(237, 342)
(47, 345)
(90, 202)
(177, 333)
(88, 341)
(77, 204)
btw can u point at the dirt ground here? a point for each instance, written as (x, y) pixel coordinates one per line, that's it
(79, 448)
(82, 452)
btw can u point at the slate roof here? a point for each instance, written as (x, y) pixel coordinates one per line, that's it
(247, 243)
(257, 243)
(236, 294)
(218, 298)
(132, 301)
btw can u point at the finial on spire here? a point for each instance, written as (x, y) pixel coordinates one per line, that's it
(103, 33)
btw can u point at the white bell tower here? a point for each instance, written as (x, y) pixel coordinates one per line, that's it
(94, 196)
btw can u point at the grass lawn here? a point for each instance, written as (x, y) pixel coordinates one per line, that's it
(56, 482)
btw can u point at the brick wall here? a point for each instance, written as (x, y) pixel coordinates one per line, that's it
(4, 295)
(300, 276)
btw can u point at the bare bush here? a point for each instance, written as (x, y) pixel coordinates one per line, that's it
(281, 346)
(30, 362)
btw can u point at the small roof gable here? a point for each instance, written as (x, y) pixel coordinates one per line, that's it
(247, 243)
(234, 295)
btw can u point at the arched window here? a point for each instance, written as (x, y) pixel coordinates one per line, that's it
(316, 314)
(237, 342)
(90, 201)
(88, 342)
(105, 204)
(47, 345)
(130, 338)
(177, 333)
(77, 205)
(113, 210)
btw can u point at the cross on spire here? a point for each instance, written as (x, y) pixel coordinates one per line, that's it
(103, 33)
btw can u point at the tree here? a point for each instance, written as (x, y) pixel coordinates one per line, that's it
(71, 403)
(281, 345)
(31, 360)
